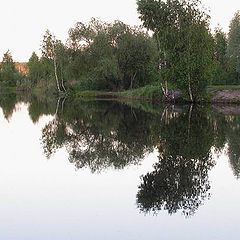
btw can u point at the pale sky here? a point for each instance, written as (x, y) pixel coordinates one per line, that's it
(22, 23)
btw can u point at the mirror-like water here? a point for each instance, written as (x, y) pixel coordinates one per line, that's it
(105, 170)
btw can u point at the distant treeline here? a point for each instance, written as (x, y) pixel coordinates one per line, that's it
(181, 52)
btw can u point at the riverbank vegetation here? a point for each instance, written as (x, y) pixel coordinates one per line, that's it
(173, 52)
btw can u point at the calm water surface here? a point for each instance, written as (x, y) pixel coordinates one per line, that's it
(105, 170)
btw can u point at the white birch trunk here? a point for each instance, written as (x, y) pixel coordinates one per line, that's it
(55, 69)
(189, 88)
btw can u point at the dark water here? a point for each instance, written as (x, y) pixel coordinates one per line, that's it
(108, 170)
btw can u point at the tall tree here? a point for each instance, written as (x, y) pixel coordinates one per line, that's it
(220, 72)
(181, 29)
(111, 56)
(234, 45)
(8, 72)
(49, 51)
(34, 68)
(135, 53)
(221, 45)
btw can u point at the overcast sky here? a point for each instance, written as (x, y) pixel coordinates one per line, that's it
(22, 23)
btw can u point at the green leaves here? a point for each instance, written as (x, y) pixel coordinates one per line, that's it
(111, 56)
(8, 73)
(181, 30)
(233, 50)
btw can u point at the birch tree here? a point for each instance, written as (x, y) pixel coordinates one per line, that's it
(50, 45)
(181, 29)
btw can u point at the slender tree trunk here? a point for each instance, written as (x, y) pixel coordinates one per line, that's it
(159, 58)
(132, 79)
(55, 72)
(189, 119)
(55, 69)
(64, 89)
(63, 101)
(189, 73)
(164, 113)
(57, 107)
(62, 82)
(164, 88)
(189, 88)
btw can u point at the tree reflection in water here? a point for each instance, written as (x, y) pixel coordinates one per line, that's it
(102, 135)
(180, 178)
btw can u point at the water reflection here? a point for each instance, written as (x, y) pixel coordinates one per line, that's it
(180, 178)
(101, 135)
(7, 103)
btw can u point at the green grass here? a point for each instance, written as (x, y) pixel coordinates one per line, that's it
(150, 92)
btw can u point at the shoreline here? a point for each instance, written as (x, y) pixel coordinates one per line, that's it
(214, 96)
(150, 94)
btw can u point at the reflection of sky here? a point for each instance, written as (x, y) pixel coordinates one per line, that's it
(48, 199)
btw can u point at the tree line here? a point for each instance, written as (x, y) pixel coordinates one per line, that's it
(174, 49)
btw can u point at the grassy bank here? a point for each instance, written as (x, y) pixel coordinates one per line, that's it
(149, 92)
(215, 94)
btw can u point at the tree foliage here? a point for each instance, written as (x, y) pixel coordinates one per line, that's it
(181, 29)
(97, 56)
(8, 73)
(233, 50)
(221, 65)
(114, 55)
(181, 53)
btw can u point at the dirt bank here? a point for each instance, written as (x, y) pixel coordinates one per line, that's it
(226, 96)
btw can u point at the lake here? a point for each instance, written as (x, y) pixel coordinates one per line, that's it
(74, 169)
